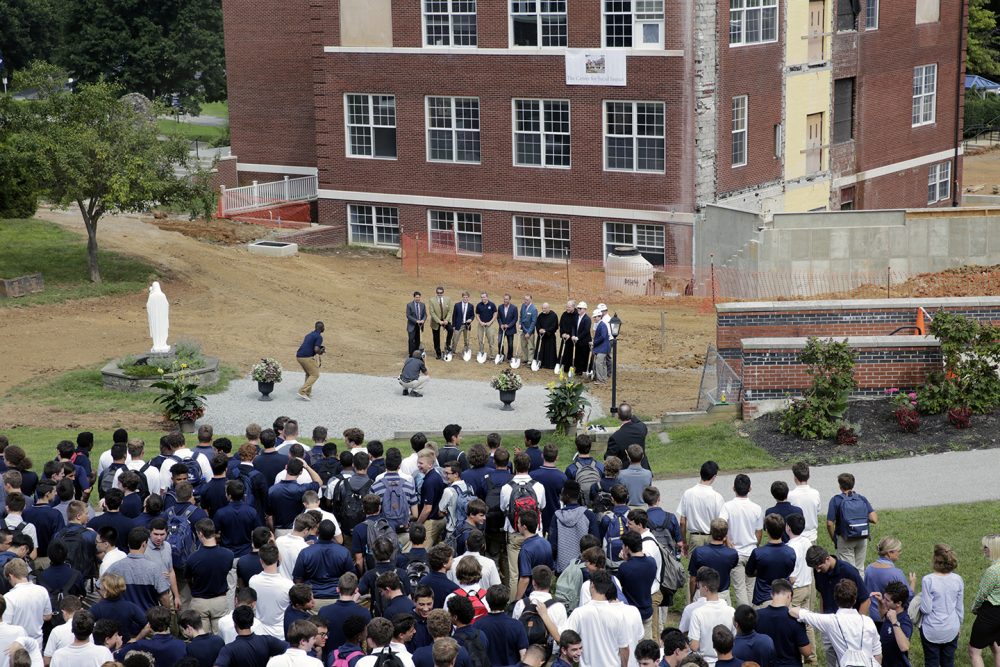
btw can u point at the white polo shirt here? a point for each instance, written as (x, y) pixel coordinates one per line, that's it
(152, 475)
(27, 604)
(61, 635)
(803, 573)
(703, 621)
(227, 628)
(604, 633)
(272, 601)
(505, 497)
(289, 548)
(807, 499)
(84, 655)
(745, 517)
(699, 505)
(490, 576)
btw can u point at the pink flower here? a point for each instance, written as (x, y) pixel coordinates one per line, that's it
(892, 391)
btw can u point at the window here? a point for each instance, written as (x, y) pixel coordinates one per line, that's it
(847, 199)
(634, 136)
(633, 23)
(871, 15)
(373, 225)
(924, 94)
(541, 238)
(453, 129)
(753, 21)
(649, 240)
(449, 22)
(453, 230)
(538, 22)
(847, 18)
(778, 132)
(739, 131)
(371, 125)
(843, 110)
(541, 133)
(939, 182)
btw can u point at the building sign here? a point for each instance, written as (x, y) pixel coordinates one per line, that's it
(585, 67)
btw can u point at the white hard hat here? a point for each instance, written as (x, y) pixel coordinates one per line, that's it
(602, 307)
(597, 312)
(582, 304)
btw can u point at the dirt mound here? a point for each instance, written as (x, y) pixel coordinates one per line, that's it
(215, 231)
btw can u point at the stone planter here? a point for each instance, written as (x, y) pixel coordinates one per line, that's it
(116, 379)
(186, 425)
(507, 397)
(265, 389)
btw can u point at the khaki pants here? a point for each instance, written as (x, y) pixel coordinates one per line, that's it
(527, 347)
(803, 597)
(323, 602)
(653, 626)
(496, 550)
(435, 531)
(601, 367)
(415, 385)
(853, 552)
(211, 610)
(514, 542)
(740, 583)
(694, 540)
(311, 368)
(461, 340)
(490, 334)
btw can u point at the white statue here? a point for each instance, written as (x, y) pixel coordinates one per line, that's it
(158, 312)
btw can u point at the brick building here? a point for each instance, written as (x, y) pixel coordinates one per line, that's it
(524, 127)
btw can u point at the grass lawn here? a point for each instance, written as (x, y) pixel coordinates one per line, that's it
(34, 246)
(189, 131)
(216, 109)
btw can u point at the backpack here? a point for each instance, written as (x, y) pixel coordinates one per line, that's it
(568, 585)
(388, 659)
(395, 508)
(854, 517)
(243, 476)
(533, 625)
(522, 501)
(494, 513)
(473, 644)
(416, 570)
(326, 468)
(662, 533)
(672, 574)
(144, 481)
(76, 551)
(56, 597)
(463, 494)
(587, 475)
(377, 528)
(195, 475)
(108, 477)
(572, 525)
(477, 602)
(617, 526)
(352, 511)
(603, 502)
(345, 660)
(180, 536)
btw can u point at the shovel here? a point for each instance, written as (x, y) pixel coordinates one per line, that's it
(481, 357)
(590, 366)
(515, 362)
(536, 363)
(558, 369)
(499, 358)
(448, 353)
(467, 354)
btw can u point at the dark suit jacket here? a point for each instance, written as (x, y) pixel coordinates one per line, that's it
(583, 330)
(510, 318)
(457, 320)
(631, 433)
(415, 311)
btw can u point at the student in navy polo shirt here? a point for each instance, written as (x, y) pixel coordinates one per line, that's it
(535, 550)
(114, 518)
(323, 564)
(660, 519)
(163, 646)
(779, 491)
(129, 617)
(129, 481)
(300, 605)
(774, 560)
(46, 519)
(571, 649)
(722, 642)
(478, 471)
(486, 317)
(207, 570)
(430, 494)
(285, 497)
(637, 574)
(532, 437)
(791, 643)
(340, 612)
(715, 555)
(248, 649)
(394, 601)
(382, 550)
(423, 601)
(507, 638)
(829, 570)
(360, 549)
(751, 646)
(493, 442)
(350, 649)
(202, 646)
(213, 493)
(897, 627)
(553, 479)
(249, 564)
(236, 521)
(269, 462)
(439, 561)
(377, 464)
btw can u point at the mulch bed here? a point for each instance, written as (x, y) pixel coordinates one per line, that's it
(879, 436)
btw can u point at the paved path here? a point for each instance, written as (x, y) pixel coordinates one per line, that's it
(377, 406)
(934, 479)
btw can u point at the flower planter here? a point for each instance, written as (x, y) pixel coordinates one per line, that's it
(265, 389)
(186, 425)
(507, 397)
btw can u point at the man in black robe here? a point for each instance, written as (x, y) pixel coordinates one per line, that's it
(547, 326)
(581, 338)
(567, 327)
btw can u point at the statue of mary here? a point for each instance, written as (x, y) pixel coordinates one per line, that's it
(158, 312)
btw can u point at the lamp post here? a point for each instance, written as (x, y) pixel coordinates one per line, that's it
(616, 327)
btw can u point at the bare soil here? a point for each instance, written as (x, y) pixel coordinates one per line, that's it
(981, 168)
(243, 307)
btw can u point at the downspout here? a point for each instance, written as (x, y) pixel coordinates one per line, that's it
(955, 199)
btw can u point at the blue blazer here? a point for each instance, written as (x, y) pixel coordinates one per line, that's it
(529, 316)
(510, 319)
(602, 339)
(457, 320)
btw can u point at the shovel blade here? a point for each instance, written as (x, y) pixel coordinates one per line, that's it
(558, 369)
(467, 355)
(535, 365)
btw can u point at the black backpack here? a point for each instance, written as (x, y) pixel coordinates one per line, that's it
(107, 478)
(388, 659)
(416, 569)
(143, 482)
(350, 505)
(494, 513)
(473, 644)
(533, 625)
(76, 550)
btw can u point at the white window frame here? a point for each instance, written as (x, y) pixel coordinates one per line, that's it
(540, 24)
(871, 14)
(545, 134)
(939, 180)
(919, 114)
(545, 239)
(642, 13)
(451, 13)
(634, 136)
(374, 210)
(453, 128)
(638, 231)
(455, 220)
(738, 130)
(742, 12)
(371, 126)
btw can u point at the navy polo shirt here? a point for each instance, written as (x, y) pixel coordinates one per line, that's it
(165, 649)
(180, 508)
(785, 509)
(270, 464)
(422, 637)
(826, 581)
(292, 614)
(56, 577)
(126, 613)
(398, 605)
(431, 492)
(47, 522)
(207, 569)
(312, 340)
(505, 637)
(441, 585)
(131, 505)
(553, 480)
(205, 649)
(249, 651)
(213, 496)
(535, 454)
(719, 557)
(423, 657)
(116, 520)
(476, 479)
(534, 551)
(322, 565)
(335, 614)
(767, 563)
(636, 576)
(891, 655)
(732, 662)
(285, 501)
(755, 647)
(366, 584)
(787, 634)
(247, 566)
(236, 522)
(485, 311)
(376, 468)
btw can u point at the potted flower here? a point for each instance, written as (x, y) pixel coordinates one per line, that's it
(181, 401)
(566, 404)
(507, 383)
(266, 372)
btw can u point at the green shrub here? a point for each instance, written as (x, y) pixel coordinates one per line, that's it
(18, 186)
(971, 351)
(818, 414)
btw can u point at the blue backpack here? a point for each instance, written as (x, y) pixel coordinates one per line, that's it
(196, 476)
(180, 536)
(395, 507)
(854, 516)
(463, 494)
(617, 527)
(238, 473)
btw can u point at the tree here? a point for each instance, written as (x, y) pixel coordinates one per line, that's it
(29, 30)
(982, 53)
(154, 47)
(18, 185)
(102, 154)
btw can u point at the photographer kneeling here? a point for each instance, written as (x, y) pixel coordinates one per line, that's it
(414, 375)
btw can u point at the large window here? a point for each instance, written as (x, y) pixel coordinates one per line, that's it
(939, 182)
(634, 136)
(371, 125)
(843, 110)
(753, 21)
(633, 23)
(739, 131)
(541, 238)
(538, 22)
(449, 22)
(453, 129)
(871, 15)
(453, 230)
(373, 225)
(541, 133)
(847, 18)
(924, 94)
(649, 240)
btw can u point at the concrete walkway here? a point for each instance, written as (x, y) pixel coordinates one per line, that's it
(934, 479)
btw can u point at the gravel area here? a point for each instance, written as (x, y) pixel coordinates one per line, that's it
(377, 406)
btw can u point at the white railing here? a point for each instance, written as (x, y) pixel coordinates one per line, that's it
(265, 195)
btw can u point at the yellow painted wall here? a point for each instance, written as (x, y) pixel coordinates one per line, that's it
(797, 24)
(805, 93)
(807, 197)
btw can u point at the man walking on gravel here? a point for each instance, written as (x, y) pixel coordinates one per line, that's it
(309, 357)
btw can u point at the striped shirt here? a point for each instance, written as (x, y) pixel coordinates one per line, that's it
(145, 581)
(989, 588)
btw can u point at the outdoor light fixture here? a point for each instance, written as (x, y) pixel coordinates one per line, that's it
(616, 327)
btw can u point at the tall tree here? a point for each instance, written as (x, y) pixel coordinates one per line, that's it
(96, 151)
(982, 53)
(154, 47)
(29, 30)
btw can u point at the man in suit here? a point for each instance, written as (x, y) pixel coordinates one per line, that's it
(440, 308)
(528, 318)
(462, 316)
(507, 317)
(416, 315)
(631, 432)
(581, 339)
(601, 347)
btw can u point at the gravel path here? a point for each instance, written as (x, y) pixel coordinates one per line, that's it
(377, 406)
(935, 479)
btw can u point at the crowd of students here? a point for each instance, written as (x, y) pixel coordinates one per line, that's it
(275, 554)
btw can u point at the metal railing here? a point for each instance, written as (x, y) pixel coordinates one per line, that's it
(265, 195)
